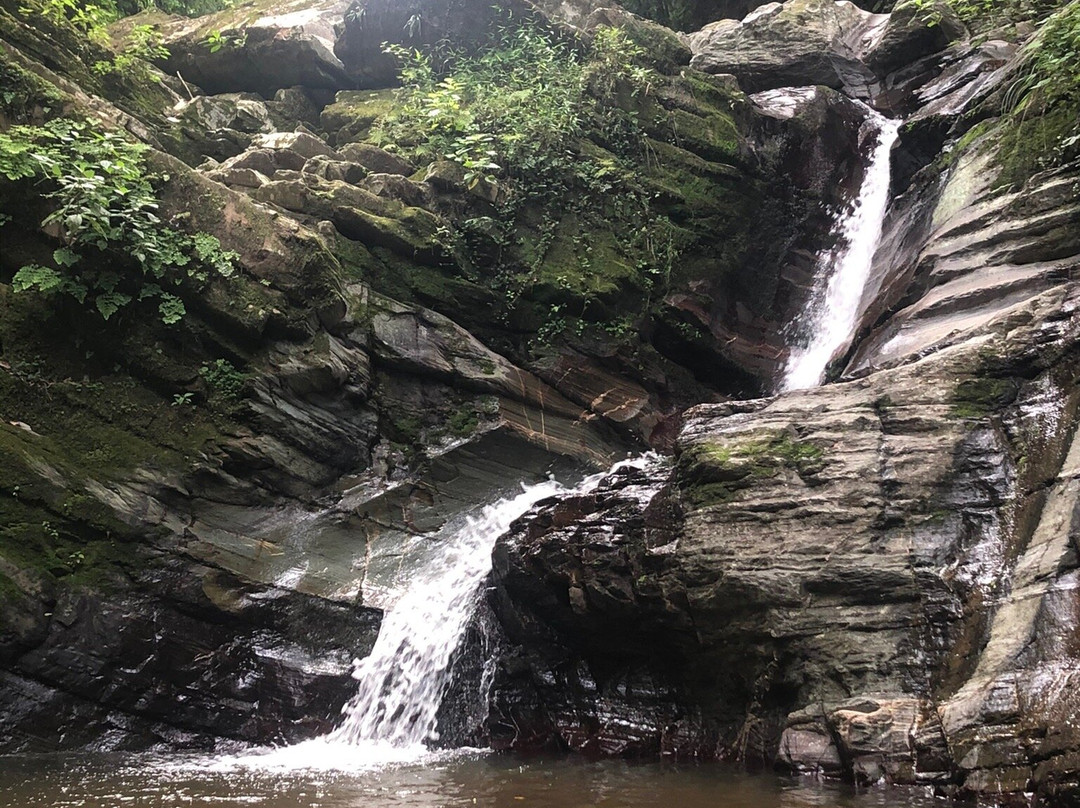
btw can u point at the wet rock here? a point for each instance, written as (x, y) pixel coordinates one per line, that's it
(835, 44)
(810, 576)
(914, 30)
(262, 48)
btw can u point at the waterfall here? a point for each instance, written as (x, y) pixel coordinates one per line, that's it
(402, 681)
(393, 715)
(831, 316)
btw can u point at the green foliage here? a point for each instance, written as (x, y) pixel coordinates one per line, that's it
(143, 44)
(1043, 105)
(516, 115)
(90, 18)
(616, 59)
(217, 40)
(105, 208)
(188, 8)
(93, 16)
(224, 379)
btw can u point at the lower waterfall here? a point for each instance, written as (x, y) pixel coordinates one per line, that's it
(393, 716)
(830, 316)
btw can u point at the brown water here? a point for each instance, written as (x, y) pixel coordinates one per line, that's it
(458, 781)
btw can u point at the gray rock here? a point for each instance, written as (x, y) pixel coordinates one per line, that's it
(815, 566)
(376, 160)
(836, 44)
(302, 143)
(335, 170)
(799, 42)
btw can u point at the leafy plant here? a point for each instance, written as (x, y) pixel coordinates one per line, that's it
(90, 18)
(104, 203)
(142, 45)
(224, 379)
(1043, 104)
(217, 40)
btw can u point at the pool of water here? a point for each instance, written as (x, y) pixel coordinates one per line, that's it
(458, 780)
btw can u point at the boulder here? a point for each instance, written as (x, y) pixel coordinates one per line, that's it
(376, 160)
(915, 29)
(303, 144)
(352, 114)
(796, 43)
(662, 46)
(242, 112)
(327, 168)
(836, 44)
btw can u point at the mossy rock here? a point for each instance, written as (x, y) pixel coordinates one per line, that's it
(353, 113)
(412, 233)
(663, 48)
(713, 472)
(980, 397)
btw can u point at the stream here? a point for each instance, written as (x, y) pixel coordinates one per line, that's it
(446, 780)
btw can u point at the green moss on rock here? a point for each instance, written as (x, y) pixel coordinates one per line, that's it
(979, 397)
(713, 472)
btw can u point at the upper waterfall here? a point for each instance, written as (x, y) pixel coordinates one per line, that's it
(831, 315)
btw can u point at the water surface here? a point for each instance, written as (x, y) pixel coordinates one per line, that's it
(458, 780)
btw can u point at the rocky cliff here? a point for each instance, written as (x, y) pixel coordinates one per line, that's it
(868, 580)
(873, 579)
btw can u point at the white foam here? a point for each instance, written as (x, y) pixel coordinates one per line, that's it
(832, 313)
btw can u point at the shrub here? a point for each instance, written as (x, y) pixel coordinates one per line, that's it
(224, 379)
(104, 206)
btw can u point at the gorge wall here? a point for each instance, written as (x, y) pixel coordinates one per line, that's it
(874, 579)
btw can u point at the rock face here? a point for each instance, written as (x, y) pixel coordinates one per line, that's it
(835, 44)
(872, 579)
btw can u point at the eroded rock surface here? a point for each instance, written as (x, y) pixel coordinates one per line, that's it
(871, 579)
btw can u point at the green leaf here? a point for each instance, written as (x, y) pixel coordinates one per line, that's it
(65, 257)
(171, 309)
(35, 276)
(109, 303)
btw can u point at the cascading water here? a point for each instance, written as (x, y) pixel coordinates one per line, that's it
(403, 679)
(830, 317)
(395, 710)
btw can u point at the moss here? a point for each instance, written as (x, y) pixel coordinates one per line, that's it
(979, 397)
(412, 233)
(583, 262)
(463, 422)
(713, 472)
(354, 113)
(1034, 140)
(24, 97)
(406, 428)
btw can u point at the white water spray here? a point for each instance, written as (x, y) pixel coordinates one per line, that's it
(403, 680)
(834, 308)
(394, 714)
